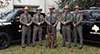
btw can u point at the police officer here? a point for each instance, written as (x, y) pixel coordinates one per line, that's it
(51, 20)
(77, 19)
(26, 20)
(38, 19)
(66, 20)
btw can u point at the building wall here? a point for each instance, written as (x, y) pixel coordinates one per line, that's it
(26, 2)
(44, 4)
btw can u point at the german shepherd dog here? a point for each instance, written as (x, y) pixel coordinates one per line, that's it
(50, 39)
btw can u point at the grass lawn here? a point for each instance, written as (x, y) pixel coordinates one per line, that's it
(17, 49)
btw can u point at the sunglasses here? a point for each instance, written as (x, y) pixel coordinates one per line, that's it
(25, 10)
(39, 10)
(66, 8)
(50, 9)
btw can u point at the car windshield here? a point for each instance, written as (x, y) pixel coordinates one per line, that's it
(1, 15)
(96, 14)
(7, 16)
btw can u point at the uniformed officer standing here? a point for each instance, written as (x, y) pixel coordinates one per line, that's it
(26, 20)
(38, 20)
(77, 27)
(66, 19)
(51, 20)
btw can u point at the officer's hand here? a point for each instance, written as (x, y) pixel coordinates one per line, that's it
(54, 25)
(39, 24)
(64, 23)
(50, 24)
(74, 25)
(28, 25)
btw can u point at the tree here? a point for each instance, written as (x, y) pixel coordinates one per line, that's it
(4, 3)
(20, 1)
(62, 3)
(1, 4)
(84, 4)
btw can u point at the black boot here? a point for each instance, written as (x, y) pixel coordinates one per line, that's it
(80, 47)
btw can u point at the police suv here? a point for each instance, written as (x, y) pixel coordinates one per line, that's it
(10, 27)
(91, 25)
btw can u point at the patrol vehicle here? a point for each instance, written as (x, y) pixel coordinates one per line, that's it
(91, 25)
(10, 27)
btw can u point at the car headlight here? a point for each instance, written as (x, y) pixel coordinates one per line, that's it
(8, 23)
(0, 24)
(3, 20)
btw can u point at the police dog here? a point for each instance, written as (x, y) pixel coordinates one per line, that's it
(50, 39)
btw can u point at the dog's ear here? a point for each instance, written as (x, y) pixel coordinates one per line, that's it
(50, 29)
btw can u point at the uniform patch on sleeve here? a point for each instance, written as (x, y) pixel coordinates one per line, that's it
(34, 15)
(81, 14)
(57, 14)
(71, 14)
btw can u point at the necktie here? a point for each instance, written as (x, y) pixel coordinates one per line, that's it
(65, 17)
(50, 18)
(75, 19)
(27, 18)
(39, 18)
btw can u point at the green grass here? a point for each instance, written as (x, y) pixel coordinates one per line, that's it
(17, 49)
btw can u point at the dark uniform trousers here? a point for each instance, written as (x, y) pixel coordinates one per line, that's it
(78, 29)
(37, 29)
(53, 31)
(66, 32)
(26, 31)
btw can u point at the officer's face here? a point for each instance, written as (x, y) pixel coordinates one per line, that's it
(66, 9)
(38, 11)
(51, 10)
(26, 11)
(77, 10)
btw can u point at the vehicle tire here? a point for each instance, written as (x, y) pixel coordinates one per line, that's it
(4, 40)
